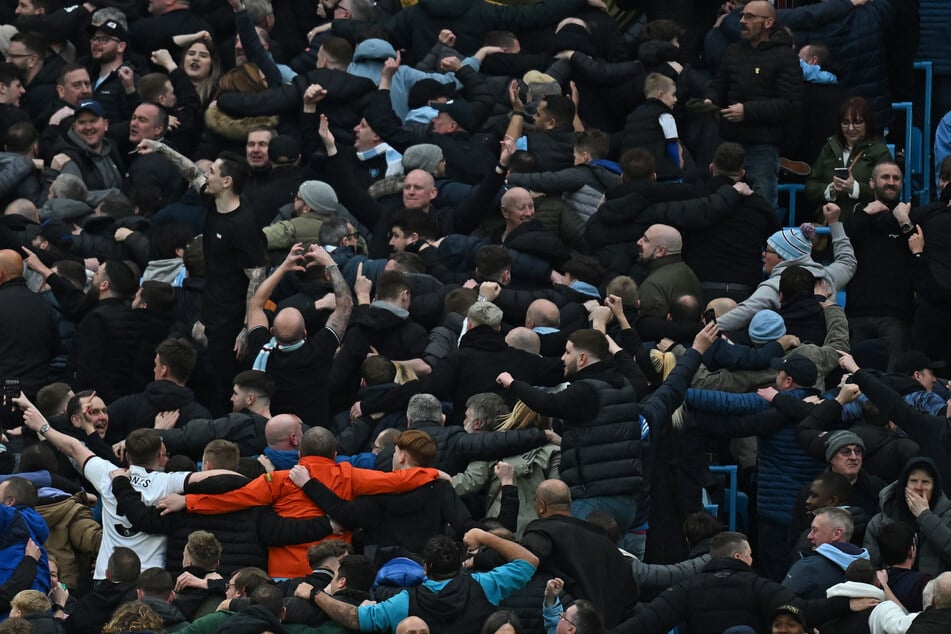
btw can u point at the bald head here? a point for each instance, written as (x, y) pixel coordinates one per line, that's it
(524, 339)
(288, 326)
(542, 313)
(721, 305)
(761, 7)
(283, 432)
(552, 497)
(518, 206)
(667, 236)
(412, 625)
(11, 265)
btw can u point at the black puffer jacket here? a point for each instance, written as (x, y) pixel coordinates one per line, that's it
(726, 593)
(767, 80)
(104, 352)
(138, 410)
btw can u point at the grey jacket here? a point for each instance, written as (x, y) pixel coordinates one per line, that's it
(766, 295)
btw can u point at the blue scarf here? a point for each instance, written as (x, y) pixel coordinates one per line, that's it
(585, 289)
(260, 362)
(283, 459)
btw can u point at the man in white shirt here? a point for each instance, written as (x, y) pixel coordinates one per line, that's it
(147, 457)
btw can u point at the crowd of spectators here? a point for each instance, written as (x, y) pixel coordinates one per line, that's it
(432, 317)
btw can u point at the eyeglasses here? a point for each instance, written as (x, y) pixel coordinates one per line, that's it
(354, 235)
(852, 124)
(752, 16)
(851, 451)
(770, 250)
(20, 54)
(566, 619)
(102, 39)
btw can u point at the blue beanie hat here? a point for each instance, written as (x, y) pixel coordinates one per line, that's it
(791, 243)
(766, 326)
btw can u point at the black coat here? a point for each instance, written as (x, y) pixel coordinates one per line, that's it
(30, 336)
(767, 80)
(725, 594)
(135, 411)
(95, 609)
(104, 350)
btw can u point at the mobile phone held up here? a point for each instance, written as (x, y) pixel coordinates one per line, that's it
(709, 316)
(841, 172)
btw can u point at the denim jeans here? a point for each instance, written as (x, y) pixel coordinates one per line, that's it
(762, 170)
(620, 507)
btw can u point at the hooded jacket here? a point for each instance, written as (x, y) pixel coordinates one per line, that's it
(17, 525)
(837, 275)
(74, 536)
(811, 576)
(99, 170)
(932, 525)
(138, 410)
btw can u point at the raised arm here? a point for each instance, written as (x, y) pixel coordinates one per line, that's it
(343, 300)
(34, 419)
(185, 166)
(293, 262)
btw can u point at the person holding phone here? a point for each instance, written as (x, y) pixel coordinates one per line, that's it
(842, 170)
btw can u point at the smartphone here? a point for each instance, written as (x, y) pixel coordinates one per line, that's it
(841, 172)
(11, 390)
(709, 316)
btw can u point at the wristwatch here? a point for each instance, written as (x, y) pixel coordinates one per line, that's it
(45, 428)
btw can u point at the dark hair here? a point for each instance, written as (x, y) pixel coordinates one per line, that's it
(180, 462)
(23, 490)
(122, 280)
(390, 284)
(66, 70)
(236, 167)
(247, 580)
(661, 30)
(426, 90)
(895, 539)
(637, 164)
(821, 53)
(358, 571)
(505, 39)
(74, 406)
(124, 565)
(178, 355)
(156, 582)
(729, 159)
(407, 262)
(836, 485)
(21, 137)
(500, 618)
(727, 544)
(116, 206)
(492, 260)
(143, 446)
(164, 240)
(587, 619)
(796, 281)
(586, 268)
(861, 571)
(606, 521)
(338, 50)
(416, 221)
(853, 108)
(270, 597)
(317, 554)
(419, 445)
(255, 381)
(595, 142)
(37, 457)
(50, 398)
(249, 467)
(158, 296)
(443, 558)
(151, 87)
(591, 341)
(32, 42)
(560, 107)
(699, 526)
(459, 300)
(377, 370)
(523, 162)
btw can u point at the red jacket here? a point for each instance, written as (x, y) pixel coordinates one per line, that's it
(288, 500)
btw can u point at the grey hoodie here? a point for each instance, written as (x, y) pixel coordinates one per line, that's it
(766, 294)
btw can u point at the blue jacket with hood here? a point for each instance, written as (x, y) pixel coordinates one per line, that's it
(17, 525)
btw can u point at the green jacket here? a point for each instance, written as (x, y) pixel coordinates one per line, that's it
(830, 157)
(667, 277)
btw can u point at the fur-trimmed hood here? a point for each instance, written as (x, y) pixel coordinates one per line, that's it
(235, 129)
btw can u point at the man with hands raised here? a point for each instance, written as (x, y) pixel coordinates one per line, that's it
(447, 599)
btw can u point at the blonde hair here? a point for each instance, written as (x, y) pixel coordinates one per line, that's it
(134, 616)
(30, 602)
(207, 87)
(655, 83)
(524, 418)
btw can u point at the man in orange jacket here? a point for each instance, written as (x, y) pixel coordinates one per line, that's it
(317, 449)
